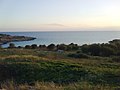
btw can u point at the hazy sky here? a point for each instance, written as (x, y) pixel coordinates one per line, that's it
(59, 14)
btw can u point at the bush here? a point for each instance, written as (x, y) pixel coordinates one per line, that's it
(116, 58)
(11, 45)
(51, 46)
(78, 55)
(34, 46)
(27, 47)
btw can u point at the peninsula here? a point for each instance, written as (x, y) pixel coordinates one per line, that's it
(4, 38)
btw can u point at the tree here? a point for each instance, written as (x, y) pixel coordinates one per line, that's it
(34, 46)
(42, 47)
(51, 46)
(0, 46)
(27, 47)
(62, 47)
(107, 51)
(19, 47)
(85, 48)
(12, 45)
(95, 49)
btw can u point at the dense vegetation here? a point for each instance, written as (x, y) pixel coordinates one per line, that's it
(110, 49)
(62, 67)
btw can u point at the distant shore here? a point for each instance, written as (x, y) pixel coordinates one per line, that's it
(4, 38)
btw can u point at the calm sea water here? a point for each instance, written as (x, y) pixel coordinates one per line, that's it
(78, 37)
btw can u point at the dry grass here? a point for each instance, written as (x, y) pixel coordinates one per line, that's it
(52, 86)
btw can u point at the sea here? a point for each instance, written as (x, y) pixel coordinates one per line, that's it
(65, 37)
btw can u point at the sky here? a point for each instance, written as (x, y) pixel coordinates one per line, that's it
(59, 14)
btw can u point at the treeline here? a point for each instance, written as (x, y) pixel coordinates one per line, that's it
(112, 48)
(54, 47)
(51, 47)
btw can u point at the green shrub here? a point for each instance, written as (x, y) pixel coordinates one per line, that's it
(78, 55)
(116, 59)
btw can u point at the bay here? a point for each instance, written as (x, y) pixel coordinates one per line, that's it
(66, 37)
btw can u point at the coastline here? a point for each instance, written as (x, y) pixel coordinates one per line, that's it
(5, 38)
(79, 38)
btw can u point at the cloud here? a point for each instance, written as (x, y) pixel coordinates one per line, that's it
(54, 25)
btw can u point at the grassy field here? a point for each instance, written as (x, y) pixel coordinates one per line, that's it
(35, 69)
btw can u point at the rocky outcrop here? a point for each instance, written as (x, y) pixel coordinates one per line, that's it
(4, 38)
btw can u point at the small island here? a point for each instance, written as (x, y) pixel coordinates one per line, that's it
(4, 38)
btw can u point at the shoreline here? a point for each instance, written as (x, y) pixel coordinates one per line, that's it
(5, 39)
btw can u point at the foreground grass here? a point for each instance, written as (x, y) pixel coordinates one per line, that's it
(46, 70)
(52, 86)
